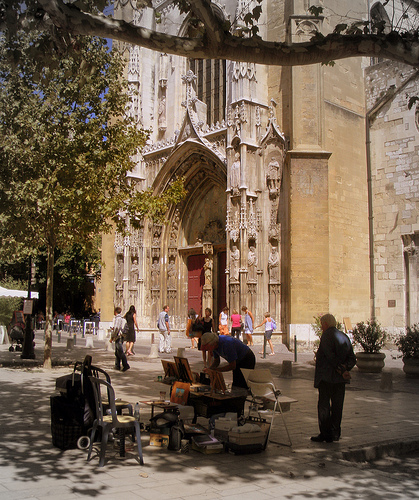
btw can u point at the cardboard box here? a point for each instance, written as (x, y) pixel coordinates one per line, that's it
(223, 426)
(161, 440)
(247, 438)
(206, 444)
(208, 450)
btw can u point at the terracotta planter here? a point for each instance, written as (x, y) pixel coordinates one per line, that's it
(370, 362)
(411, 367)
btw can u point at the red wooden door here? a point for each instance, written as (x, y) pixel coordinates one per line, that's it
(196, 281)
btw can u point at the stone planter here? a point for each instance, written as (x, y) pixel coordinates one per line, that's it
(370, 362)
(411, 367)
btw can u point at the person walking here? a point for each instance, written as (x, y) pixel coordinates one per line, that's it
(269, 328)
(249, 321)
(117, 327)
(131, 319)
(334, 360)
(194, 327)
(164, 330)
(223, 322)
(236, 324)
(208, 326)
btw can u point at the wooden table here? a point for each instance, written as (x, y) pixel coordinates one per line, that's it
(206, 404)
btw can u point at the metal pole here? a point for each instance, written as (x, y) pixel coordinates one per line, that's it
(295, 348)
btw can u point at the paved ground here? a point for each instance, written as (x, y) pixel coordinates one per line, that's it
(375, 422)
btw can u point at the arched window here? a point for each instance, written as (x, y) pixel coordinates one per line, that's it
(211, 86)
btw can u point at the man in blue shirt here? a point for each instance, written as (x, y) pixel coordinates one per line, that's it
(237, 355)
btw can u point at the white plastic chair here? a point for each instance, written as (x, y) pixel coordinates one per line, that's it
(262, 385)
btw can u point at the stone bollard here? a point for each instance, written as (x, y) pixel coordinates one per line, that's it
(110, 346)
(286, 371)
(181, 352)
(70, 343)
(89, 340)
(386, 382)
(154, 351)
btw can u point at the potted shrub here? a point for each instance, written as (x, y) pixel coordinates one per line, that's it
(371, 337)
(408, 345)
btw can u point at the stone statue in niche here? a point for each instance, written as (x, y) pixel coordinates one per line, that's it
(208, 271)
(234, 263)
(119, 271)
(273, 265)
(162, 114)
(252, 262)
(155, 274)
(171, 275)
(235, 174)
(273, 176)
(135, 271)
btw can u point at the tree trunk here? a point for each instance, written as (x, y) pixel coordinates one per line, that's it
(49, 317)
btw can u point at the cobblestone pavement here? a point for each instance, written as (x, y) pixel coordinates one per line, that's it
(375, 423)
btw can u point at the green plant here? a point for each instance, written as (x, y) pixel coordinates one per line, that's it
(370, 336)
(408, 344)
(10, 304)
(317, 327)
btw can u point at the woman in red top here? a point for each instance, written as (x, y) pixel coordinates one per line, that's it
(236, 324)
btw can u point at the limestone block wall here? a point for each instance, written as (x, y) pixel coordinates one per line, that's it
(344, 136)
(395, 190)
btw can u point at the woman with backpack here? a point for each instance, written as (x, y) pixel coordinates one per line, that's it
(270, 326)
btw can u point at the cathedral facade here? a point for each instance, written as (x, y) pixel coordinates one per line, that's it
(276, 212)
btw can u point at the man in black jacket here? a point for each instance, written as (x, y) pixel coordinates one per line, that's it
(334, 359)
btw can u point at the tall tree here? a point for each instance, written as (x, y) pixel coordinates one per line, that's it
(66, 148)
(240, 40)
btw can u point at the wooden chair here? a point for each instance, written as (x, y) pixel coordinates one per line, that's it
(112, 421)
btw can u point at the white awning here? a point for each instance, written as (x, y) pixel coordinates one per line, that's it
(4, 292)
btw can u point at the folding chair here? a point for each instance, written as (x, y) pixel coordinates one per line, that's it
(262, 386)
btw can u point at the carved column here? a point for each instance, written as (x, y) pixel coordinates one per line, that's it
(412, 277)
(207, 292)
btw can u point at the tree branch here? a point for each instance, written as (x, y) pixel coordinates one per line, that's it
(203, 11)
(223, 45)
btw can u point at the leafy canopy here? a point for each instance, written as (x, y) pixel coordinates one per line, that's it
(212, 36)
(67, 144)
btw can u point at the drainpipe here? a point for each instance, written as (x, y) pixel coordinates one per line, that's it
(369, 119)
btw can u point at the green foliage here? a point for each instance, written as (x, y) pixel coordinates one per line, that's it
(154, 206)
(65, 148)
(408, 344)
(412, 101)
(317, 326)
(370, 336)
(316, 10)
(74, 270)
(10, 304)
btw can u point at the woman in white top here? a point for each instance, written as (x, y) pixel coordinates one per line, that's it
(223, 321)
(268, 331)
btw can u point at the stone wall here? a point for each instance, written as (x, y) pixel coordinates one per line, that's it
(395, 190)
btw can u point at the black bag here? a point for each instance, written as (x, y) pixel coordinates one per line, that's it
(67, 421)
(177, 433)
(125, 330)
